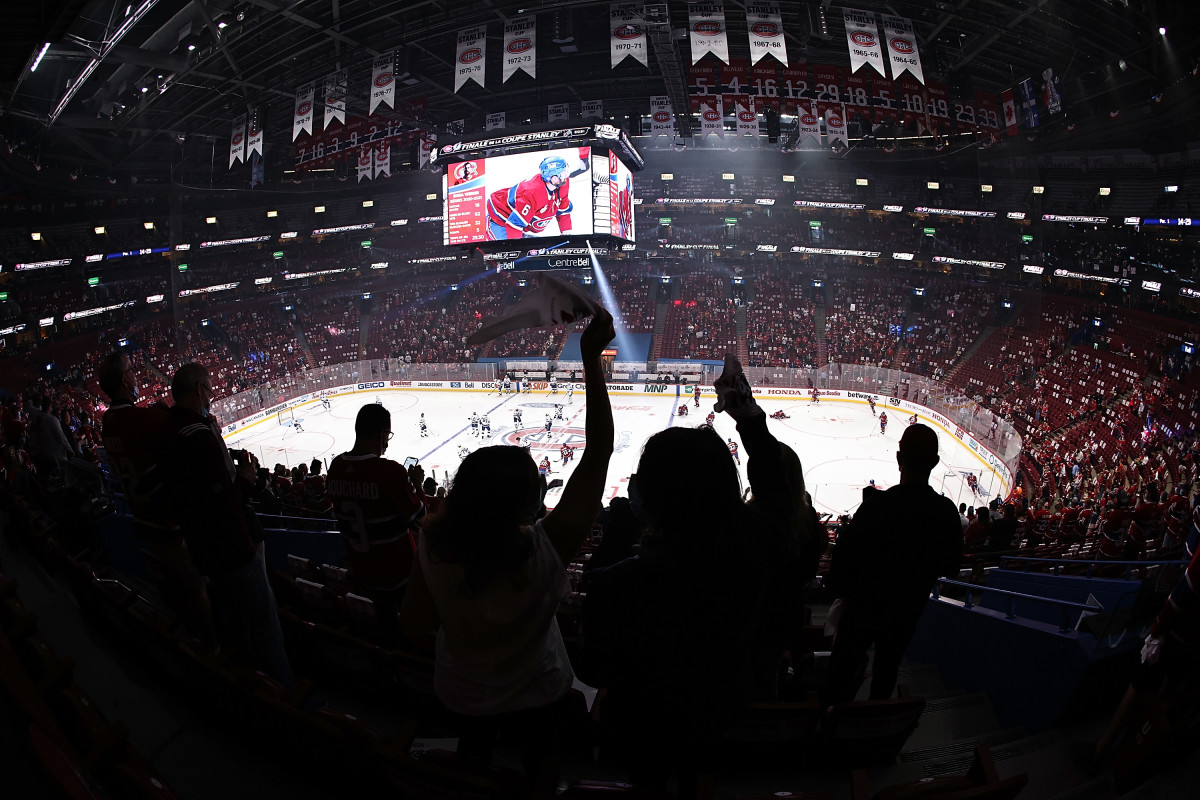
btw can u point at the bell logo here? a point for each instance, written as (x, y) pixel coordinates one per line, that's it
(862, 39)
(707, 29)
(383, 80)
(627, 32)
(764, 29)
(471, 56)
(902, 46)
(304, 109)
(519, 45)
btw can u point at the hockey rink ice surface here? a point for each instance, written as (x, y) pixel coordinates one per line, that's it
(839, 442)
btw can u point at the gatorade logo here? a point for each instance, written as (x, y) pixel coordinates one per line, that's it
(862, 39)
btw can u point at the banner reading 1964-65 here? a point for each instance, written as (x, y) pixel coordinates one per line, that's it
(901, 41)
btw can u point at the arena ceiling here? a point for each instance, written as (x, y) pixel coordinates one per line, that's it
(150, 88)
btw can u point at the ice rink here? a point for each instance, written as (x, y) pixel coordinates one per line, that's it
(839, 442)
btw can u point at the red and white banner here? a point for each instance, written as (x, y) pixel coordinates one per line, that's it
(747, 119)
(662, 118)
(939, 106)
(706, 31)
(858, 96)
(383, 160)
(428, 143)
(765, 28)
(470, 56)
(711, 120)
(237, 140)
(627, 32)
(557, 112)
(335, 97)
(1010, 111)
(254, 136)
(593, 109)
(835, 125)
(862, 38)
(383, 84)
(494, 122)
(810, 125)
(520, 46)
(987, 113)
(366, 162)
(902, 47)
(302, 116)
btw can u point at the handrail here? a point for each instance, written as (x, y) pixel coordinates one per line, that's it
(1066, 605)
(1060, 562)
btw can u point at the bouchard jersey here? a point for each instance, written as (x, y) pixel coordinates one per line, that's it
(528, 207)
(375, 503)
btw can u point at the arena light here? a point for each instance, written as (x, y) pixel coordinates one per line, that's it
(1172, 188)
(893, 209)
(211, 220)
(932, 185)
(1105, 191)
(368, 203)
(37, 237)
(861, 182)
(431, 196)
(148, 226)
(319, 210)
(789, 178)
(288, 235)
(41, 54)
(272, 214)
(99, 229)
(985, 187)
(726, 176)
(1162, 31)
(1039, 190)
(667, 176)
(93, 281)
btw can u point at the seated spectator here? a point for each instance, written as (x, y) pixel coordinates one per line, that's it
(978, 531)
(671, 632)
(496, 575)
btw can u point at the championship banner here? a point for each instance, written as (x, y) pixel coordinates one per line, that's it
(858, 96)
(711, 119)
(809, 124)
(1051, 94)
(862, 37)
(593, 109)
(303, 114)
(835, 125)
(902, 47)
(1010, 111)
(1028, 103)
(471, 56)
(366, 162)
(383, 160)
(662, 118)
(428, 143)
(747, 119)
(494, 122)
(383, 86)
(520, 47)
(765, 28)
(706, 31)
(237, 140)
(335, 97)
(254, 142)
(627, 33)
(557, 112)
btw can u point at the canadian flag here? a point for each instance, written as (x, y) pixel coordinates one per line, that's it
(1010, 111)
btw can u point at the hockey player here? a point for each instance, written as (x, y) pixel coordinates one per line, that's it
(779, 415)
(378, 401)
(696, 394)
(912, 420)
(296, 426)
(973, 483)
(463, 452)
(485, 426)
(733, 451)
(871, 401)
(565, 453)
(507, 385)
(474, 424)
(558, 412)
(527, 208)
(554, 386)
(709, 419)
(683, 410)
(544, 466)
(548, 423)
(883, 422)
(325, 404)
(816, 397)
(570, 393)
(517, 417)
(424, 428)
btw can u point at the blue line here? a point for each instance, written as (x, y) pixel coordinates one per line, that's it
(464, 428)
(674, 408)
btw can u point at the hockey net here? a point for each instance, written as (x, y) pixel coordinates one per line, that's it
(285, 416)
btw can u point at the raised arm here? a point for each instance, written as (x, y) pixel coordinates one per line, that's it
(571, 520)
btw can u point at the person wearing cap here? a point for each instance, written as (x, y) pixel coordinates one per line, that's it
(886, 561)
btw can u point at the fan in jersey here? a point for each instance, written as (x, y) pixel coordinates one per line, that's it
(526, 209)
(376, 502)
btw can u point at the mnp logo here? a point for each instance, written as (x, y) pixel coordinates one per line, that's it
(627, 32)
(707, 29)
(764, 29)
(521, 45)
(470, 55)
(903, 46)
(862, 39)
(383, 80)
(304, 109)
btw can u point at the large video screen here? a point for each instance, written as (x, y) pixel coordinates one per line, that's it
(526, 195)
(620, 190)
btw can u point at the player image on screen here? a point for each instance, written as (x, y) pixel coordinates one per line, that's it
(621, 203)
(526, 208)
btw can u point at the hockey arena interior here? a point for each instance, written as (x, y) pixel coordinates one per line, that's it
(599, 400)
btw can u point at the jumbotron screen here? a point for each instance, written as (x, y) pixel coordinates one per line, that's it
(544, 193)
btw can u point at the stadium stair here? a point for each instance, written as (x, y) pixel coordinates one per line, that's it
(660, 325)
(309, 358)
(966, 356)
(364, 327)
(743, 351)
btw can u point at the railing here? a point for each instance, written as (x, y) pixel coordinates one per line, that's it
(1060, 562)
(1067, 606)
